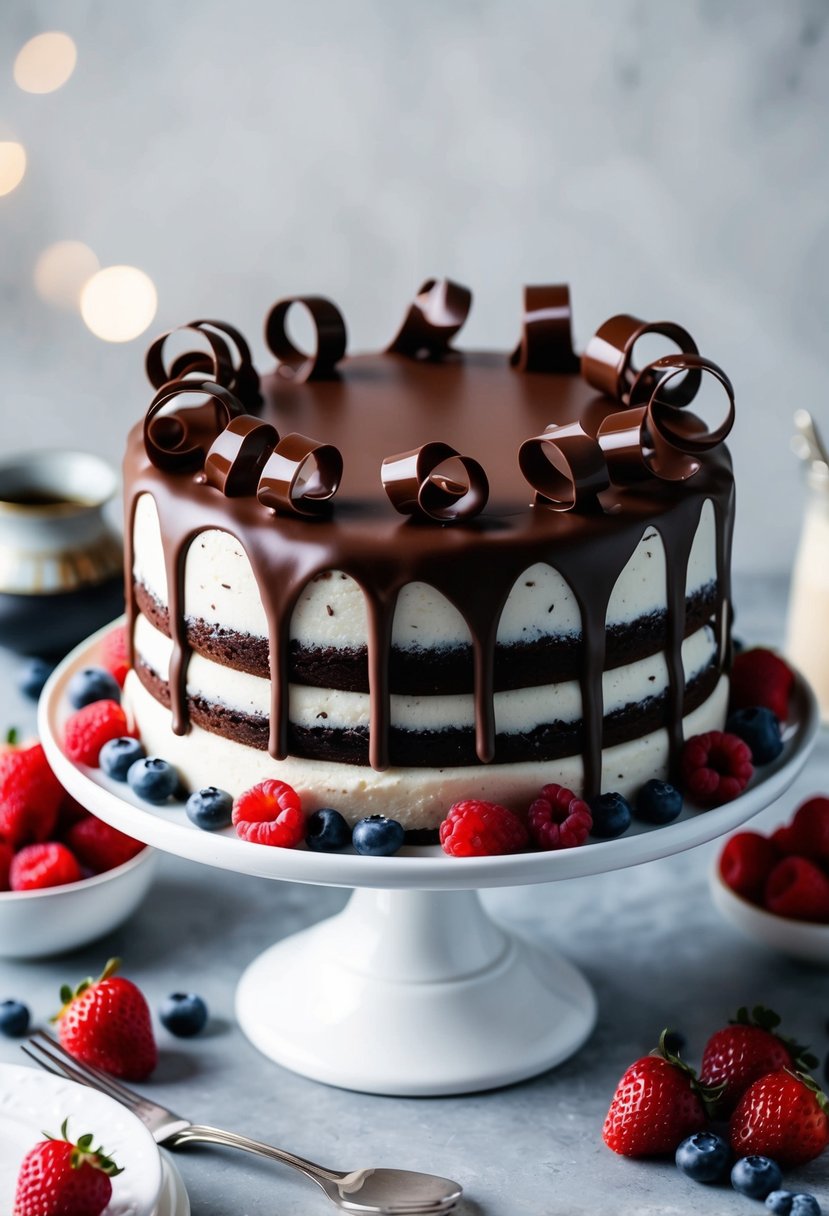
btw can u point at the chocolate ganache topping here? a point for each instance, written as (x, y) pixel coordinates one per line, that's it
(459, 469)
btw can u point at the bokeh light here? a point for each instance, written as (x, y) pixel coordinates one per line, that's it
(45, 63)
(12, 165)
(62, 270)
(118, 303)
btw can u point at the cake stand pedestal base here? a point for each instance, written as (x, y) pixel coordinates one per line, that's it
(414, 993)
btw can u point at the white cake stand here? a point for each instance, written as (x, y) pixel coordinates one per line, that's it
(412, 989)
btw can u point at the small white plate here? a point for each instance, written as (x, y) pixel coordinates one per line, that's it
(32, 1102)
(798, 939)
(174, 1200)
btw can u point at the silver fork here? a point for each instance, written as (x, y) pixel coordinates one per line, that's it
(384, 1192)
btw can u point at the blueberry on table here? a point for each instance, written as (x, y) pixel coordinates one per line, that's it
(326, 831)
(32, 675)
(703, 1157)
(153, 779)
(209, 809)
(780, 1202)
(658, 802)
(756, 1176)
(377, 836)
(611, 816)
(14, 1019)
(183, 1014)
(117, 757)
(804, 1204)
(760, 729)
(92, 684)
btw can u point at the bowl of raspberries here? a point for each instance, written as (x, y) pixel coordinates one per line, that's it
(775, 887)
(66, 878)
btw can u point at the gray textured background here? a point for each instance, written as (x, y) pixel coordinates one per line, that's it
(668, 157)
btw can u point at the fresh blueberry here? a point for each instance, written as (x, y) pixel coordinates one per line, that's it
(118, 756)
(326, 831)
(32, 675)
(92, 684)
(760, 729)
(756, 1177)
(183, 1014)
(804, 1204)
(703, 1157)
(152, 779)
(658, 802)
(780, 1202)
(210, 809)
(14, 1019)
(611, 816)
(378, 836)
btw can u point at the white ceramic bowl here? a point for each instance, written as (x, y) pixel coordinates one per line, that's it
(34, 924)
(798, 939)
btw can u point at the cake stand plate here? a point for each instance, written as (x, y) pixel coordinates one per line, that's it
(412, 989)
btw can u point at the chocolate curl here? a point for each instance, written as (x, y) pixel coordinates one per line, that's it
(435, 315)
(328, 321)
(239, 453)
(546, 343)
(566, 468)
(415, 487)
(607, 362)
(660, 437)
(228, 362)
(301, 476)
(167, 438)
(245, 383)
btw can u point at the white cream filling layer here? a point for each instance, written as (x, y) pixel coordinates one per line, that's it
(220, 588)
(418, 798)
(516, 710)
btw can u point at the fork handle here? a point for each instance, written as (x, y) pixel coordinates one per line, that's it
(202, 1134)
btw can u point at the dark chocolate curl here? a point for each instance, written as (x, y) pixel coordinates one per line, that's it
(215, 365)
(301, 476)
(415, 487)
(245, 382)
(238, 455)
(435, 315)
(546, 343)
(169, 440)
(329, 323)
(566, 468)
(607, 363)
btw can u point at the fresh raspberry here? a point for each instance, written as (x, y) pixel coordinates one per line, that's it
(30, 794)
(716, 767)
(100, 847)
(115, 654)
(783, 840)
(481, 829)
(6, 855)
(746, 862)
(760, 677)
(558, 819)
(43, 865)
(90, 728)
(797, 888)
(270, 813)
(809, 830)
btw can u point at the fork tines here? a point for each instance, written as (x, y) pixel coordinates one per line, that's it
(49, 1054)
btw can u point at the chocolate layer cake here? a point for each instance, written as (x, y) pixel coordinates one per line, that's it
(480, 573)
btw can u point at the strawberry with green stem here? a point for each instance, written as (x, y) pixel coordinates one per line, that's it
(783, 1115)
(66, 1177)
(748, 1048)
(106, 1023)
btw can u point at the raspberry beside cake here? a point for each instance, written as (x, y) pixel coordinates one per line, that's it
(389, 662)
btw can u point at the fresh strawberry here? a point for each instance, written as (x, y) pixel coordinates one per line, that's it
(558, 819)
(30, 795)
(6, 855)
(106, 1023)
(115, 654)
(716, 767)
(760, 677)
(473, 828)
(270, 813)
(746, 861)
(62, 1178)
(86, 731)
(100, 847)
(783, 1116)
(657, 1103)
(38, 866)
(799, 889)
(747, 1048)
(808, 831)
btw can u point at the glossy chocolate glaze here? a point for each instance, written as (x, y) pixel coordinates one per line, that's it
(378, 405)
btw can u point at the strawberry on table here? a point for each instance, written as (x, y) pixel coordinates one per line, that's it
(59, 1177)
(106, 1023)
(784, 1116)
(747, 1048)
(657, 1103)
(30, 795)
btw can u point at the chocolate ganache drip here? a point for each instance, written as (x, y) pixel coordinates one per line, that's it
(609, 453)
